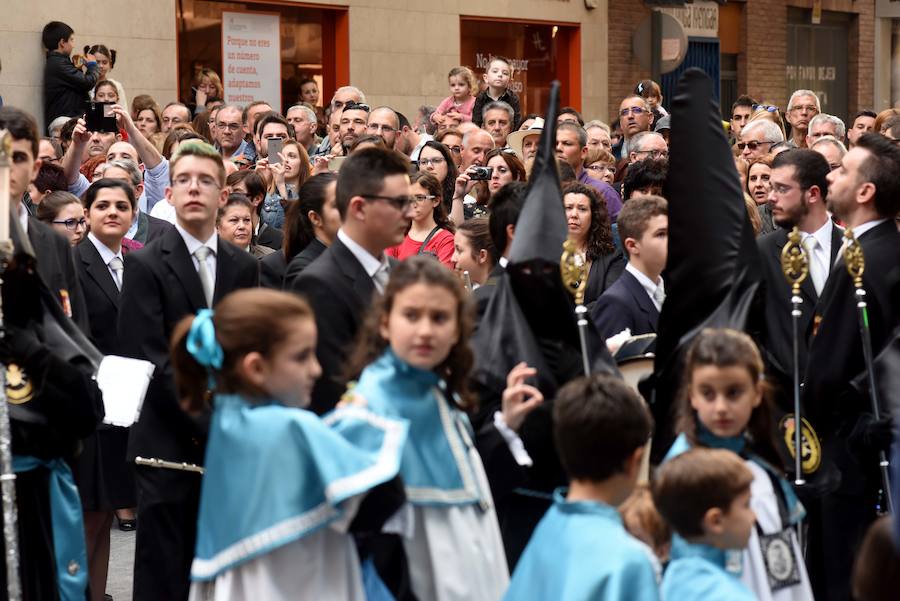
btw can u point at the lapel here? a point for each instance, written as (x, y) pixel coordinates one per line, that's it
(225, 269)
(807, 289)
(837, 238)
(99, 272)
(640, 296)
(177, 259)
(353, 270)
(143, 228)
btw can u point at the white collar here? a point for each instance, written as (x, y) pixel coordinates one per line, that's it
(862, 228)
(823, 236)
(23, 217)
(106, 253)
(193, 244)
(365, 258)
(649, 285)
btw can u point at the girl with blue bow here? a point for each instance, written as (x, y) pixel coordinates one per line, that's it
(416, 359)
(724, 403)
(283, 488)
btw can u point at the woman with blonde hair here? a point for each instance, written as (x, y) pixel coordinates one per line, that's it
(207, 87)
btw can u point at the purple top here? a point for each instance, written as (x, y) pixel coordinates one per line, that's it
(607, 192)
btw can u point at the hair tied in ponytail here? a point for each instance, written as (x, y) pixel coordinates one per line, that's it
(202, 343)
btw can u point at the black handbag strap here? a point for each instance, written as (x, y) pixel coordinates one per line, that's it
(431, 234)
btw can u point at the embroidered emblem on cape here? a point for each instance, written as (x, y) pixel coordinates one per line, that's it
(778, 555)
(18, 385)
(811, 448)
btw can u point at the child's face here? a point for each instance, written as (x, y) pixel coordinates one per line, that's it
(67, 46)
(497, 75)
(737, 523)
(289, 373)
(724, 398)
(423, 325)
(459, 87)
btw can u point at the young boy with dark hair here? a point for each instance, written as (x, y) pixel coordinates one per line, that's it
(704, 494)
(580, 550)
(636, 298)
(497, 76)
(66, 86)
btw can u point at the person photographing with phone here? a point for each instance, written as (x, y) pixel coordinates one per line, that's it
(66, 86)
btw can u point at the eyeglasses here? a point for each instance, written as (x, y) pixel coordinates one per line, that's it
(597, 168)
(455, 149)
(809, 108)
(228, 126)
(781, 189)
(423, 197)
(72, 223)
(752, 145)
(635, 110)
(435, 161)
(654, 154)
(401, 203)
(765, 107)
(356, 106)
(204, 181)
(377, 127)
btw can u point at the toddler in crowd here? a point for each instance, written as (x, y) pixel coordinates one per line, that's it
(724, 403)
(459, 104)
(497, 77)
(580, 550)
(704, 494)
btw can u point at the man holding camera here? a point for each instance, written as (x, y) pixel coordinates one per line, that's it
(66, 86)
(475, 146)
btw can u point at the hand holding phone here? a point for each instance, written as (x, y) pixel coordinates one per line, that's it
(274, 148)
(99, 117)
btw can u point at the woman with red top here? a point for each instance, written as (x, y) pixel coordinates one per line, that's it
(430, 231)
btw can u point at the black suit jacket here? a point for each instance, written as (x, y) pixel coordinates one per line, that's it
(340, 292)
(271, 270)
(836, 359)
(625, 304)
(161, 286)
(269, 236)
(56, 266)
(150, 228)
(604, 272)
(483, 293)
(302, 260)
(102, 297)
(779, 329)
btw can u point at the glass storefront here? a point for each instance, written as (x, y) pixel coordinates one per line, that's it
(540, 53)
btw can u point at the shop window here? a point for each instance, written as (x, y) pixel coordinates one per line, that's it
(312, 45)
(540, 52)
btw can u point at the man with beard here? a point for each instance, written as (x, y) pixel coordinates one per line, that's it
(353, 122)
(865, 195)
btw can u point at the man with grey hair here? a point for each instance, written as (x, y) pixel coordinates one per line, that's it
(498, 118)
(757, 138)
(598, 135)
(346, 94)
(305, 124)
(824, 125)
(831, 148)
(647, 145)
(803, 106)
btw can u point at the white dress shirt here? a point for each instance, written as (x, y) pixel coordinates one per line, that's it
(193, 244)
(820, 254)
(106, 254)
(23, 217)
(369, 263)
(649, 285)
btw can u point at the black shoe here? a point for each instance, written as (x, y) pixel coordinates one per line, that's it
(128, 525)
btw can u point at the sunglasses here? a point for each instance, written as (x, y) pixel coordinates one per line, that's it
(752, 145)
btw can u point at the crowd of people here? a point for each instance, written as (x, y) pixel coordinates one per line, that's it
(371, 380)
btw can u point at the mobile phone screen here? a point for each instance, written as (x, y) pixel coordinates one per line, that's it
(99, 117)
(275, 146)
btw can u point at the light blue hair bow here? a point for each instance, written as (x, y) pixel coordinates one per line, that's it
(202, 343)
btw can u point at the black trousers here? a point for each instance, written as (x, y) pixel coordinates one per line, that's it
(166, 534)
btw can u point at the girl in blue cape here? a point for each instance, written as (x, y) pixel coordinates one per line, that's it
(282, 487)
(724, 403)
(416, 359)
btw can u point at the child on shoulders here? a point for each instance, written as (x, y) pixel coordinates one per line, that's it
(497, 77)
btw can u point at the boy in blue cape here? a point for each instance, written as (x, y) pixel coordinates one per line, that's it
(580, 549)
(705, 495)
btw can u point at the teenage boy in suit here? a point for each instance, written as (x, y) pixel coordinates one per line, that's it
(187, 269)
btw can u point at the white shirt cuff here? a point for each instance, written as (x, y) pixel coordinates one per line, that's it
(515, 444)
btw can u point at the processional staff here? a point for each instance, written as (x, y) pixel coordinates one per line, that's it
(574, 277)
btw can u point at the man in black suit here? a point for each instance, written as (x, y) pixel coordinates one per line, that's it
(506, 205)
(55, 262)
(373, 199)
(799, 191)
(864, 193)
(188, 268)
(635, 299)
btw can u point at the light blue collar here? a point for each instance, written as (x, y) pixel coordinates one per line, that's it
(585, 507)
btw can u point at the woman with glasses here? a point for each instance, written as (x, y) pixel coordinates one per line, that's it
(64, 213)
(600, 164)
(430, 232)
(437, 159)
(452, 139)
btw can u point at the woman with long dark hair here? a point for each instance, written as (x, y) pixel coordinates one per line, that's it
(589, 228)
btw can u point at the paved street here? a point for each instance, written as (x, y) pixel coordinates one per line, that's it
(121, 564)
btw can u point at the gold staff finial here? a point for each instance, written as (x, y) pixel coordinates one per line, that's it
(854, 258)
(794, 261)
(572, 269)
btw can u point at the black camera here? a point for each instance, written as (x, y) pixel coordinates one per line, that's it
(477, 173)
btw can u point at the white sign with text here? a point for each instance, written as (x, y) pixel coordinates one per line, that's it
(251, 58)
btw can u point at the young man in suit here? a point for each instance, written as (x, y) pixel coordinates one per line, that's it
(635, 299)
(105, 480)
(55, 262)
(187, 269)
(373, 199)
(864, 193)
(799, 191)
